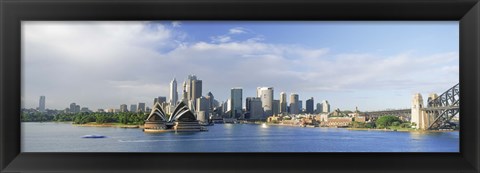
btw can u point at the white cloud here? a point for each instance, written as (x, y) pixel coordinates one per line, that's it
(176, 24)
(237, 30)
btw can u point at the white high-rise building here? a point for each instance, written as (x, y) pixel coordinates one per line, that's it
(202, 109)
(173, 92)
(283, 102)
(266, 95)
(236, 102)
(41, 105)
(325, 106)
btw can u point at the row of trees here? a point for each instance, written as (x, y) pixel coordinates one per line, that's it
(85, 117)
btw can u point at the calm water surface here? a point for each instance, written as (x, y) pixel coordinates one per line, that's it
(65, 137)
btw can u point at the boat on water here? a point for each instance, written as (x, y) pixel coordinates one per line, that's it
(93, 136)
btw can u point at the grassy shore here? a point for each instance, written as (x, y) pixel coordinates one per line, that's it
(118, 125)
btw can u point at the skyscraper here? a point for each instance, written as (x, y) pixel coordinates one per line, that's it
(202, 109)
(194, 87)
(211, 100)
(236, 102)
(309, 105)
(325, 106)
(300, 106)
(123, 108)
(266, 95)
(275, 107)
(73, 107)
(173, 92)
(141, 107)
(294, 103)
(133, 108)
(185, 92)
(254, 107)
(319, 108)
(283, 102)
(41, 104)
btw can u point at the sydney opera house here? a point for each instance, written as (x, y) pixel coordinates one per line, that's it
(181, 120)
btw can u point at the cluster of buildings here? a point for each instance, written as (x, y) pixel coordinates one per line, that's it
(206, 107)
(264, 104)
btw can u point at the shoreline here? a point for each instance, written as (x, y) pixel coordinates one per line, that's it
(118, 125)
(109, 125)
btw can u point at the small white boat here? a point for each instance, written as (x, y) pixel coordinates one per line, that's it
(93, 136)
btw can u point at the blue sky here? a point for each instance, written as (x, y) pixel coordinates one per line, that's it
(372, 65)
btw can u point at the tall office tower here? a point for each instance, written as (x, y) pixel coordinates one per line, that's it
(276, 107)
(141, 107)
(73, 107)
(300, 106)
(211, 100)
(319, 108)
(283, 102)
(294, 103)
(325, 106)
(194, 87)
(202, 109)
(41, 104)
(309, 106)
(254, 107)
(77, 108)
(161, 100)
(133, 108)
(236, 102)
(123, 108)
(185, 92)
(173, 93)
(266, 95)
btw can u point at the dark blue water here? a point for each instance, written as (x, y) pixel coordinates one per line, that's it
(64, 137)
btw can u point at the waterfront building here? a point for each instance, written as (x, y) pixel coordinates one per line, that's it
(309, 105)
(173, 92)
(276, 107)
(266, 95)
(325, 106)
(254, 107)
(182, 119)
(141, 107)
(41, 104)
(123, 108)
(283, 102)
(202, 109)
(133, 108)
(236, 102)
(294, 103)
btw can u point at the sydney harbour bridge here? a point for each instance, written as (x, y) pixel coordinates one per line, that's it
(437, 114)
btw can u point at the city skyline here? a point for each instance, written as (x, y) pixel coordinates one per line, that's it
(137, 62)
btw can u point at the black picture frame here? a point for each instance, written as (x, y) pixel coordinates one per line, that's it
(14, 11)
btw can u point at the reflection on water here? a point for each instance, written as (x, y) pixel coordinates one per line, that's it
(64, 137)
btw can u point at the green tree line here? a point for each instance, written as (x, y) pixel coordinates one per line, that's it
(86, 117)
